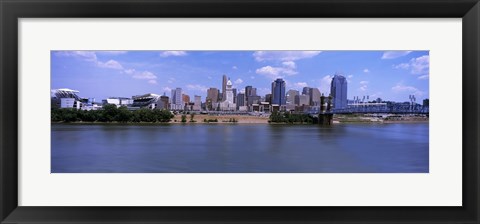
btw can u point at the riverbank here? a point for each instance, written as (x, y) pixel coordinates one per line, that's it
(387, 120)
(240, 119)
(248, 119)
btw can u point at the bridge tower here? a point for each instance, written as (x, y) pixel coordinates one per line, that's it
(325, 116)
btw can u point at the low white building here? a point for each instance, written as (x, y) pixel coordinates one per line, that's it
(69, 103)
(118, 101)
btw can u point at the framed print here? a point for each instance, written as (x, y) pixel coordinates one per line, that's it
(249, 112)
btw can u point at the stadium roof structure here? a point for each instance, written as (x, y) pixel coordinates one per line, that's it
(145, 100)
(65, 93)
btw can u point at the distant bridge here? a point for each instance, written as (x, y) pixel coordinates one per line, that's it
(381, 108)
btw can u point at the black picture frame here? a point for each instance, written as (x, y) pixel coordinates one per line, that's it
(12, 10)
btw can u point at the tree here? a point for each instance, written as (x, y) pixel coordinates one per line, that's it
(123, 114)
(146, 115)
(110, 112)
(71, 116)
(163, 115)
(184, 118)
(276, 117)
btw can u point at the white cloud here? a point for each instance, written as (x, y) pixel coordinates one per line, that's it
(350, 76)
(394, 54)
(283, 55)
(209, 77)
(110, 64)
(197, 87)
(366, 70)
(129, 71)
(408, 89)
(325, 84)
(252, 77)
(417, 66)
(363, 86)
(85, 55)
(420, 65)
(167, 89)
(402, 66)
(152, 81)
(238, 81)
(171, 80)
(173, 53)
(91, 56)
(271, 72)
(300, 84)
(289, 64)
(111, 52)
(144, 75)
(275, 72)
(234, 67)
(424, 77)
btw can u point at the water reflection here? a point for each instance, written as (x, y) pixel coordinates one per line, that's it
(217, 148)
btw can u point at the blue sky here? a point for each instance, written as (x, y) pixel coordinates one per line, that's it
(390, 75)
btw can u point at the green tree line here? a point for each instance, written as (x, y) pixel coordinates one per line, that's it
(287, 117)
(110, 113)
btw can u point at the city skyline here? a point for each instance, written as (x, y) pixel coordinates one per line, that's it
(390, 75)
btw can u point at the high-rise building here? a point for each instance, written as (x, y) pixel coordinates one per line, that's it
(227, 103)
(426, 102)
(268, 98)
(302, 100)
(177, 96)
(197, 103)
(249, 93)
(253, 100)
(278, 92)
(177, 101)
(338, 90)
(164, 99)
(212, 94)
(185, 98)
(212, 98)
(241, 99)
(224, 87)
(306, 91)
(315, 95)
(234, 90)
(290, 98)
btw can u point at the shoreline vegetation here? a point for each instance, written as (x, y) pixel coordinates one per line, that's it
(121, 115)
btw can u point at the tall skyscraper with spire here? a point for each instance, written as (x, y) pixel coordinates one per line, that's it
(227, 103)
(338, 90)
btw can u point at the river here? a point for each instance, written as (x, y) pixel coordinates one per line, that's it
(239, 148)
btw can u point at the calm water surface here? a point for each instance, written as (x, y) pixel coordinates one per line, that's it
(240, 148)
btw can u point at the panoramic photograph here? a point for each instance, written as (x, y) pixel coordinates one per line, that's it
(265, 111)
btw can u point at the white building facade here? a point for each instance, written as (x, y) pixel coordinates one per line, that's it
(228, 104)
